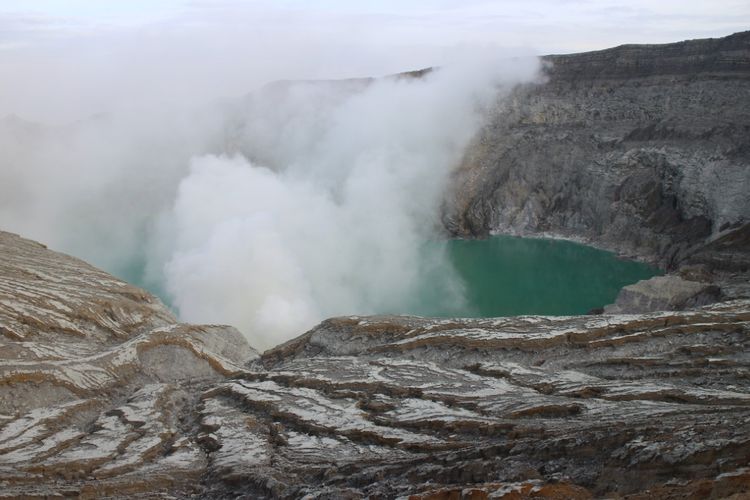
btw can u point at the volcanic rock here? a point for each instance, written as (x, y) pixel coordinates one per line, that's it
(663, 293)
(640, 149)
(104, 394)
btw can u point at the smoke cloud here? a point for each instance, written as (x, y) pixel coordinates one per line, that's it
(339, 212)
(300, 201)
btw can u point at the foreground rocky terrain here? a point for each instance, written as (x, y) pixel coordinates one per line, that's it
(644, 150)
(104, 394)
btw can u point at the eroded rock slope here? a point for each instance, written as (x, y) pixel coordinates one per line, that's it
(642, 149)
(104, 394)
(98, 381)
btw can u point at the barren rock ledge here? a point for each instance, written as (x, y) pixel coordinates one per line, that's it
(104, 394)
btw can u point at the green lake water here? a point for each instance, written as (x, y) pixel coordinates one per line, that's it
(501, 276)
(507, 276)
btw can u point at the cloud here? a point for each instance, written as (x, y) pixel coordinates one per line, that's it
(272, 211)
(102, 56)
(345, 220)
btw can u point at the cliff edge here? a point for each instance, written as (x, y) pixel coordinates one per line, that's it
(640, 149)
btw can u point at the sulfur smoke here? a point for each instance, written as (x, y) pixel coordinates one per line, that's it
(300, 201)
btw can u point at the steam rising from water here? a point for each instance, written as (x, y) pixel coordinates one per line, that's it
(302, 201)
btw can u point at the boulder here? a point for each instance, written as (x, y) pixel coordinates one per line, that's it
(663, 293)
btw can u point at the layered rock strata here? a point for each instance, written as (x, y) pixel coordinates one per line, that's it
(99, 383)
(104, 394)
(641, 149)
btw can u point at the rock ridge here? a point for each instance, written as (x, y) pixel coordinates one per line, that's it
(129, 403)
(717, 56)
(639, 149)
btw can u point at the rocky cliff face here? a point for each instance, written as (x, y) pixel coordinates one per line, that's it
(644, 150)
(104, 394)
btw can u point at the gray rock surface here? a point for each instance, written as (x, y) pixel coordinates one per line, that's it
(644, 150)
(98, 381)
(104, 394)
(663, 293)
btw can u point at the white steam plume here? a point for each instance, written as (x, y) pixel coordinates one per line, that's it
(301, 201)
(340, 221)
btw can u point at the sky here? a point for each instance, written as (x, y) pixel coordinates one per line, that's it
(62, 60)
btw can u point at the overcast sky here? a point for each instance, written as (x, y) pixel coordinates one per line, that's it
(63, 59)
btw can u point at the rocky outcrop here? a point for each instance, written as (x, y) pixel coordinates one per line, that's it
(663, 293)
(596, 406)
(104, 394)
(641, 149)
(98, 381)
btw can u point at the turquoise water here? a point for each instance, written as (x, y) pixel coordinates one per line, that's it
(134, 271)
(506, 276)
(499, 276)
